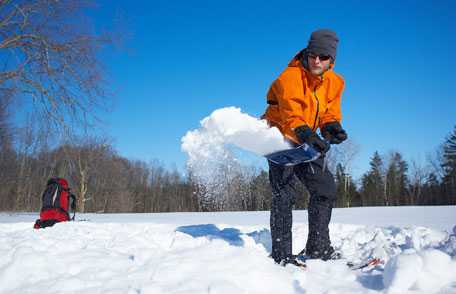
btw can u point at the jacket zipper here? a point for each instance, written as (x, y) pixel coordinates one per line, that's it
(318, 107)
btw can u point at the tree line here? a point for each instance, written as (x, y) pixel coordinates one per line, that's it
(105, 181)
(392, 181)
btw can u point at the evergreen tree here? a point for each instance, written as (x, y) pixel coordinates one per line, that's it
(431, 191)
(397, 181)
(372, 189)
(449, 167)
(403, 181)
(340, 185)
(261, 192)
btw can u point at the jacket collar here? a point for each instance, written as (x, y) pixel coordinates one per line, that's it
(314, 80)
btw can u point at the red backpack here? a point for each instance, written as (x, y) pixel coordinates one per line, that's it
(57, 201)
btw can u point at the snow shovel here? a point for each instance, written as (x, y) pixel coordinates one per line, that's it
(289, 157)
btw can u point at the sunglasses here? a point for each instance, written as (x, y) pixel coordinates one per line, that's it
(322, 57)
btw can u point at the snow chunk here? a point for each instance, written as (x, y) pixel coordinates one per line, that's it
(438, 270)
(231, 126)
(401, 271)
(428, 271)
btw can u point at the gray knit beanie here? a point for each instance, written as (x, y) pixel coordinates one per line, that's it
(323, 42)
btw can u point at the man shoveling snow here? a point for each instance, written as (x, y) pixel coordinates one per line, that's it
(306, 96)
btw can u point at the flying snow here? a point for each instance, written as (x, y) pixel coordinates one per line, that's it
(208, 146)
(231, 126)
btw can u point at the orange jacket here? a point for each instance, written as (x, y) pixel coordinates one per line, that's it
(299, 98)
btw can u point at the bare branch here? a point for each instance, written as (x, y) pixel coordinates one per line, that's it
(51, 57)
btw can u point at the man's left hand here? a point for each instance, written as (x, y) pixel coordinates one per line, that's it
(334, 133)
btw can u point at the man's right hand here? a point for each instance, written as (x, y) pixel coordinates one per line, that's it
(306, 135)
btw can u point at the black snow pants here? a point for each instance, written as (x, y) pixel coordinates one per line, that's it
(321, 186)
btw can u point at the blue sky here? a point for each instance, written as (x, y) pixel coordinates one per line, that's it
(184, 59)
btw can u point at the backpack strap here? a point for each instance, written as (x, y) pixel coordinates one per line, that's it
(73, 205)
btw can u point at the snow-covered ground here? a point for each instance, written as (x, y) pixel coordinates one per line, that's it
(226, 253)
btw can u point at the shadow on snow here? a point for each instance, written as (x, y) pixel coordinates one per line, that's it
(231, 235)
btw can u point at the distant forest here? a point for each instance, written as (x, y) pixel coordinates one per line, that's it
(104, 181)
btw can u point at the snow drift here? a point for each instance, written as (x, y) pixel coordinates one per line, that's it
(225, 253)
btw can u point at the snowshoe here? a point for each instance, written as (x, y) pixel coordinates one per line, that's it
(371, 262)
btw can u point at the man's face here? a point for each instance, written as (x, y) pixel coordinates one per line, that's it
(318, 64)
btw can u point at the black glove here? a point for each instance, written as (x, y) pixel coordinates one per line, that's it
(306, 135)
(334, 133)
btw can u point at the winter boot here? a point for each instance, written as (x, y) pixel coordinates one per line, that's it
(294, 260)
(326, 254)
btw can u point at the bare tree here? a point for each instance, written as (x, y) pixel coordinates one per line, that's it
(49, 52)
(418, 176)
(8, 160)
(6, 136)
(343, 154)
(436, 161)
(85, 157)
